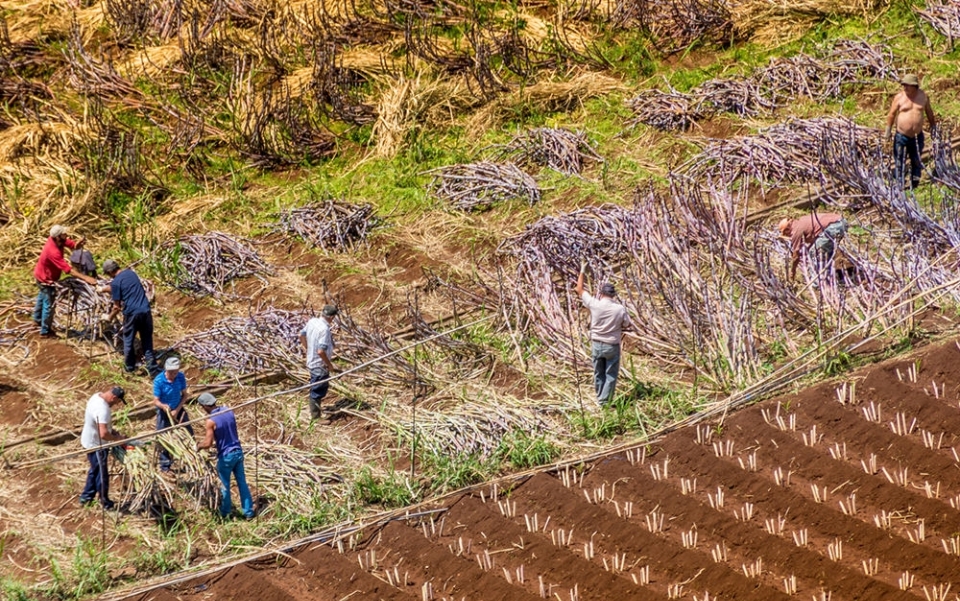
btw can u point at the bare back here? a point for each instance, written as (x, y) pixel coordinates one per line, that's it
(909, 112)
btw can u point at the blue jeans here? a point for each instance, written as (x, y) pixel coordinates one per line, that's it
(43, 309)
(140, 324)
(98, 480)
(904, 147)
(320, 378)
(232, 463)
(606, 368)
(163, 422)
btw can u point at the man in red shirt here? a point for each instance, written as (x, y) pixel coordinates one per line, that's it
(817, 232)
(50, 266)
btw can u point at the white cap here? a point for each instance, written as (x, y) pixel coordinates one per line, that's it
(57, 231)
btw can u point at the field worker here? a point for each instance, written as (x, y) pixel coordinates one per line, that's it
(317, 338)
(907, 110)
(98, 429)
(221, 429)
(128, 295)
(50, 266)
(817, 233)
(608, 320)
(169, 395)
(82, 261)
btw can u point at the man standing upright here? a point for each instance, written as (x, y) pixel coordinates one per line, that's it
(169, 395)
(127, 293)
(98, 429)
(317, 339)
(816, 232)
(221, 429)
(608, 320)
(50, 266)
(907, 111)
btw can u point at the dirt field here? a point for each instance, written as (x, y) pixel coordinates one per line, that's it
(800, 494)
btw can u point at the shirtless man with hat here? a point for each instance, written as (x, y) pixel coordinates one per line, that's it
(907, 111)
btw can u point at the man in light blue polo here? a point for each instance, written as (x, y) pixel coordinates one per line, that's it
(169, 396)
(608, 320)
(317, 339)
(221, 430)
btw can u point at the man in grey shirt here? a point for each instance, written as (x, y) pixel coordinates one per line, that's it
(608, 319)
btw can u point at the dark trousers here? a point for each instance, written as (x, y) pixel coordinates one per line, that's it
(319, 378)
(903, 147)
(163, 422)
(141, 325)
(98, 480)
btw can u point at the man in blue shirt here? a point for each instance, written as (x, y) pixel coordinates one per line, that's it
(221, 429)
(169, 395)
(128, 294)
(317, 340)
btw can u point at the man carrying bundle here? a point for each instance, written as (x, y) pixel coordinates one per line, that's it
(317, 339)
(128, 294)
(818, 233)
(608, 320)
(221, 429)
(169, 395)
(50, 266)
(907, 111)
(98, 429)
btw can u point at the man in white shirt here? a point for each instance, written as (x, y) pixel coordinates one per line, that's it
(97, 430)
(608, 319)
(317, 339)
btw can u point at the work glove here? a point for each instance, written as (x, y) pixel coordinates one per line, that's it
(105, 317)
(583, 266)
(888, 133)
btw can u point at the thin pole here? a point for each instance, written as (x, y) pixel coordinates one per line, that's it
(576, 361)
(416, 382)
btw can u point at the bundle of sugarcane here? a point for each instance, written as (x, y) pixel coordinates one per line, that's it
(144, 488)
(267, 340)
(479, 186)
(332, 225)
(196, 469)
(666, 111)
(787, 152)
(559, 149)
(202, 264)
(944, 16)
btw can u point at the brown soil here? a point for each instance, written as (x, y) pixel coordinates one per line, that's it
(591, 538)
(14, 405)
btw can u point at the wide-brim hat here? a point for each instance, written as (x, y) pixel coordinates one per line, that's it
(910, 80)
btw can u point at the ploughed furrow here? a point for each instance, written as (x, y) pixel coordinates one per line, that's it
(436, 571)
(812, 465)
(691, 569)
(529, 548)
(857, 538)
(736, 541)
(323, 572)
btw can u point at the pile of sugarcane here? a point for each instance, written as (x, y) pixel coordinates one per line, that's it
(944, 16)
(282, 472)
(144, 488)
(332, 225)
(264, 341)
(785, 153)
(479, 186)
(676, 24)
(945, 166)
(559, 149)
(466, 427)
(201, 265)
(781, 81)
